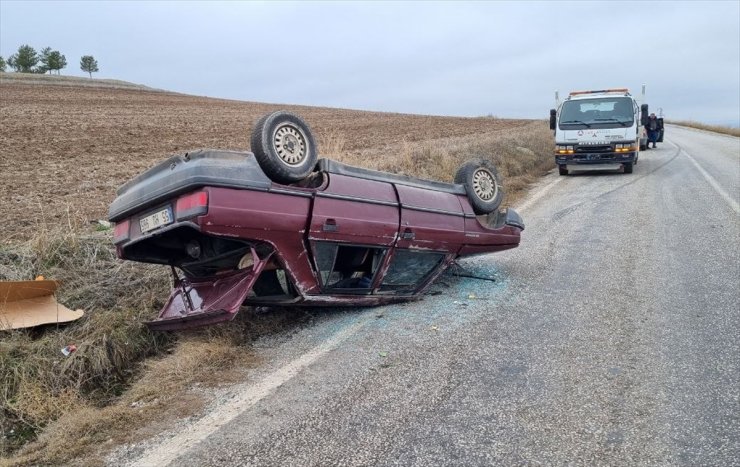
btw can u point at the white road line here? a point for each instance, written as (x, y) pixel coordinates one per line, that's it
(733, 204)
(244, 398)
(538, 194)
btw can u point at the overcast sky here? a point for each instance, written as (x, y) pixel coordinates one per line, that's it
(444, 58)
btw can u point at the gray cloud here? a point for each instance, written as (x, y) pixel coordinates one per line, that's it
(445, 58)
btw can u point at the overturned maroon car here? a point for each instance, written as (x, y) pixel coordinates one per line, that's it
(278, 226)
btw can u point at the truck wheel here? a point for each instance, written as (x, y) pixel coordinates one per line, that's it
(628, 168)
(284, 146)
(562, 170)
(482, 184)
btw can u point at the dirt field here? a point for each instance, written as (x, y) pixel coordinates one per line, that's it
(66, 149)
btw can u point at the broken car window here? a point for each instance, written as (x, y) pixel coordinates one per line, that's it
(409, 268)
(347, 266)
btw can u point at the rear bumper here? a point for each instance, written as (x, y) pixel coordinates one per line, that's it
(513, 219)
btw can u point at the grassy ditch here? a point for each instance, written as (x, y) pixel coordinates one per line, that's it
(725, 130)
(56, 409)
(38, 383)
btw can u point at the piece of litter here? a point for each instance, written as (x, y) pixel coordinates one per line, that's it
(383, 354)
(25, 304)
(472, 296)
(434, 328)
(69, 349)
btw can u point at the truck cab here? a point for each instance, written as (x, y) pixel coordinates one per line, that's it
(602, 129)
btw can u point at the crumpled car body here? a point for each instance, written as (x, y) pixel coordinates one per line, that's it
(344, 236)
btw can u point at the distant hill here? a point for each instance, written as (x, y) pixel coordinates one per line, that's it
(32, 78)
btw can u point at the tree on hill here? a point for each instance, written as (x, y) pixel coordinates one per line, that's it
(52, 60)
(44, 59)
(2, 64)
(58, 61)
(89, 64)
(24, 60)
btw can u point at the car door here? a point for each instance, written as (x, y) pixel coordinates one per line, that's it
(354, 222)
(430, 220)
(431, 231)
(355, 210)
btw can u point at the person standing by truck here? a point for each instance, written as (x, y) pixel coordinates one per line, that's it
(653, 129)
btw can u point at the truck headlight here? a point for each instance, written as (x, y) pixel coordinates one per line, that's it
(564, 149)
(624, 147)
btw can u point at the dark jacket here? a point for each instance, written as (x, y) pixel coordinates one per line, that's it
(652, 124)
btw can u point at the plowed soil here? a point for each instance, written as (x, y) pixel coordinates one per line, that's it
(64, 150)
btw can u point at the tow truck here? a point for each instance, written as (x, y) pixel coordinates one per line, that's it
(599, 129)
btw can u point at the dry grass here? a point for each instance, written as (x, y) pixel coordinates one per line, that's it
(332, 144)
(725, 130)
(62, 80)
(165, 391)
(38, 383)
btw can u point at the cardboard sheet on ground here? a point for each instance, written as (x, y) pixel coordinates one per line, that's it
(25, 304)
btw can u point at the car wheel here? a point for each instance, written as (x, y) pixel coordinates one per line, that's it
(482, 184)
(284, 146)
(562, 170)
(628, 168)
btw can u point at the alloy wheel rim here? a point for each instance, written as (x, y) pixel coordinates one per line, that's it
(290, 144)
(484, 185)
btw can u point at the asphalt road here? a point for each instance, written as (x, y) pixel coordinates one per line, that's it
(611, 337)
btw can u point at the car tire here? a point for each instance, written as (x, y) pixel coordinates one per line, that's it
(562, 170)
(482, 184)
(284, 147)
(628, 168)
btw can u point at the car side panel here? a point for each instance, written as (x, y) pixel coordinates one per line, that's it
(355, 211)
(277, 218)
(431, 220)
(481, 237)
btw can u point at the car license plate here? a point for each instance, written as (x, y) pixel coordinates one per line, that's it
(156, 220)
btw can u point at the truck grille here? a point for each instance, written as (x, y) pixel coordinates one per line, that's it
(594, 148)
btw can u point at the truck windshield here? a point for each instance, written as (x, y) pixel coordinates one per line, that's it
(602, 112)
